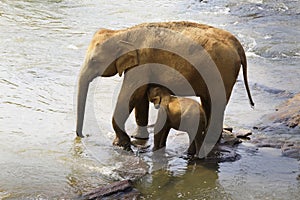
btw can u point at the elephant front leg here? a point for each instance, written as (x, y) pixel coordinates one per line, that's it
(141, 117)
(122, 111)
(121, 139)
(161, 130)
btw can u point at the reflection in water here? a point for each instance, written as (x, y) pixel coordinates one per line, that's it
(78, 149)
(199, 181)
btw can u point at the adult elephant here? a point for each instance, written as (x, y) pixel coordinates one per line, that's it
(131, 51)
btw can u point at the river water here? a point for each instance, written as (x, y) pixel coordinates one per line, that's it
(43, 43)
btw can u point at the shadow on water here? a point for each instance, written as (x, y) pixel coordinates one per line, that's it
(198, 180)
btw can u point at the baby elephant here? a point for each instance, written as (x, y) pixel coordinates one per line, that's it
(180, 113)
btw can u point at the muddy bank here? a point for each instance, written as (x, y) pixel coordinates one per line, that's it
(281, 129)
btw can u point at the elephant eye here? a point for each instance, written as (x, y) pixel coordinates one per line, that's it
(153, 99)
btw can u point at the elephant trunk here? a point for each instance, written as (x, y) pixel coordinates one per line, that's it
(81, 102)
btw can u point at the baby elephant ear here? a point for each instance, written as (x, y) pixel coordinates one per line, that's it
(127, 60)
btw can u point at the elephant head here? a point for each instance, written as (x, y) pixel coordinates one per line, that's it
(158, 95)
(103, 58)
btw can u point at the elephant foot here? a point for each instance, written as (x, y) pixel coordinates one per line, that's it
(122, 143)
(79, 135)
(141, 133)
(156, 148)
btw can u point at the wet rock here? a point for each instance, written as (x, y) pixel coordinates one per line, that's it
(230, 138)
(264, 141)
(244, 134)
(117, 190)
(291, 150)
(278, 128)
(288, 113)
(289, 147)
(227, 128)
(226, 149)
(131, 168)
(223, 153)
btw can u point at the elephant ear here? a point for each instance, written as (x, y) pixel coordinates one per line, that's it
(127, 60)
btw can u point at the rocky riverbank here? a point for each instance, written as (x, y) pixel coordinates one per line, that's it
(288, 113)
(273, 133)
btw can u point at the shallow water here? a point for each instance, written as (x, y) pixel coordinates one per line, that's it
(43, 44)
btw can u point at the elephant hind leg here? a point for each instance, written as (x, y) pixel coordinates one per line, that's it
(206, 104)
(141, 117)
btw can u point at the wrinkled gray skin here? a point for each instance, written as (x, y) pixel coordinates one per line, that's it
(223, 48)
(179, 113)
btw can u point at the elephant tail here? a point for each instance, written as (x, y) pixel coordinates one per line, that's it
(244, 66)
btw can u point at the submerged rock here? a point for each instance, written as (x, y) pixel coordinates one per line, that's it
(226, 149)
(289, 146)
(223, 153)
(133, 169)
(116, 190)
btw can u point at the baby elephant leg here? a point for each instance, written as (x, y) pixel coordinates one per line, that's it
(196, 143)
(160, 137)
(192, 149)
(164, 137)
(161, 129)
